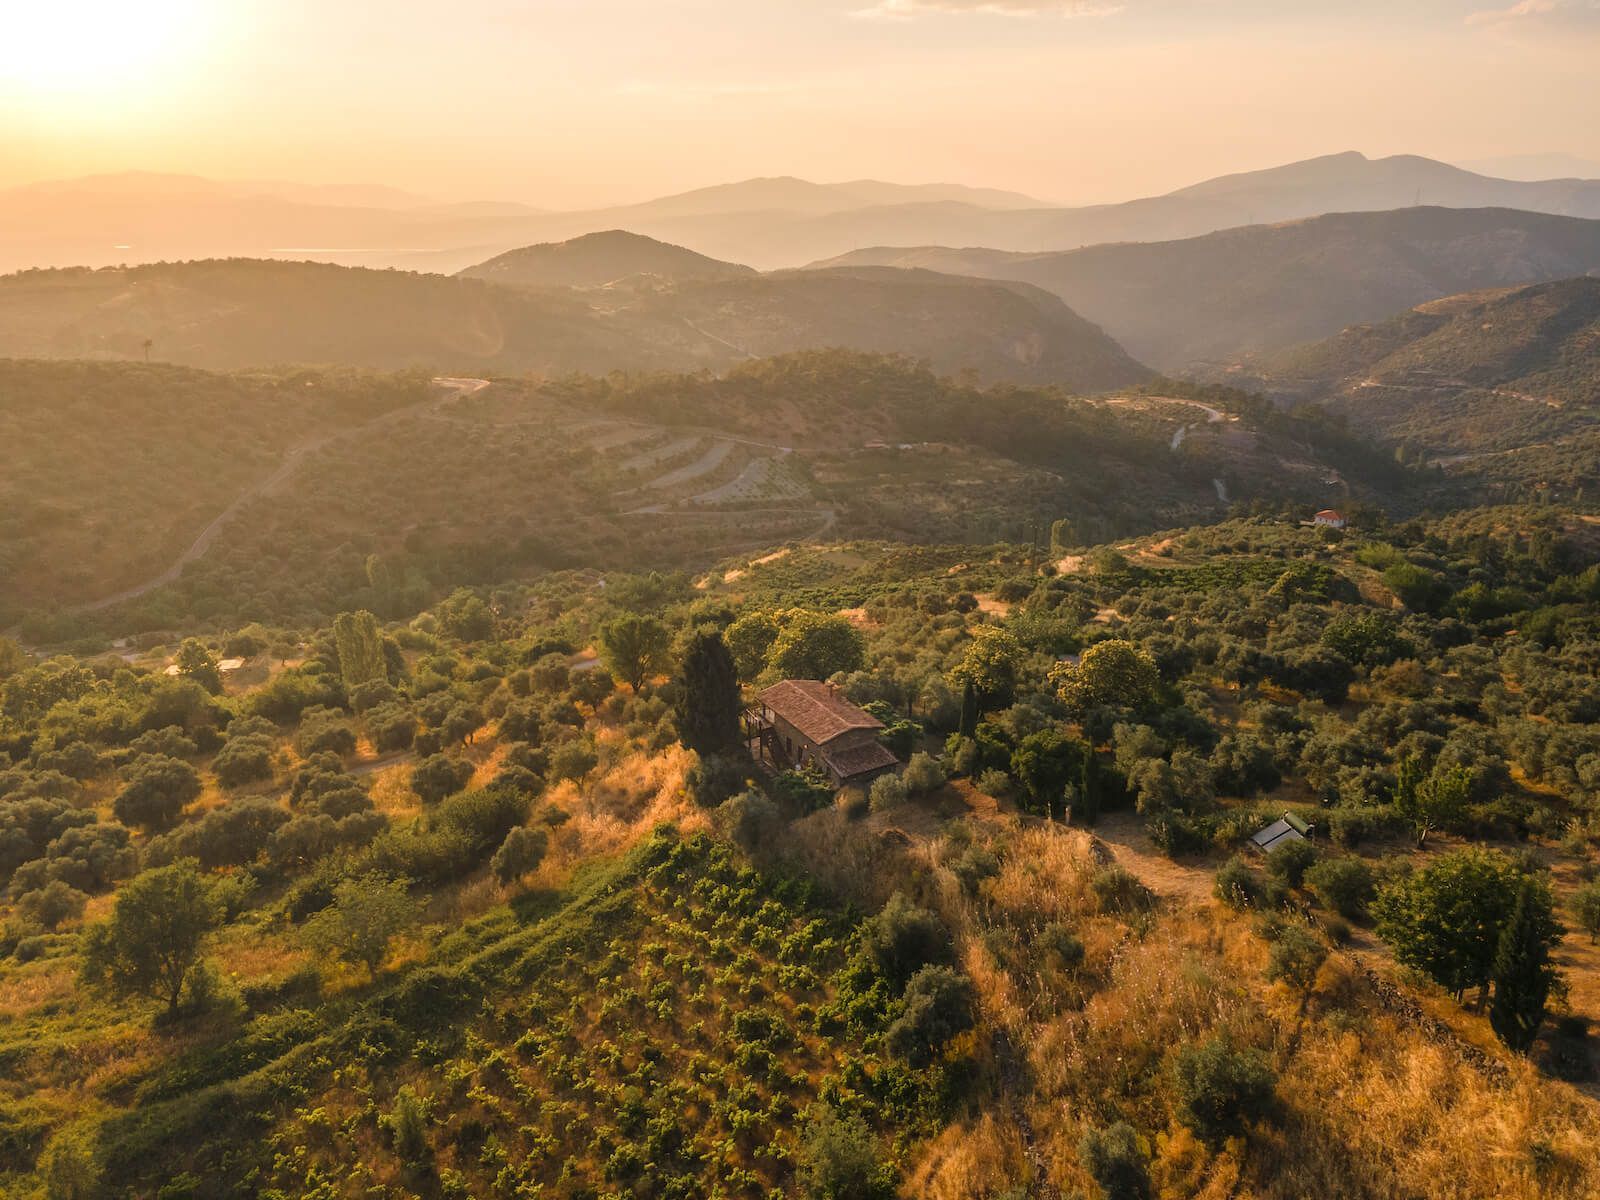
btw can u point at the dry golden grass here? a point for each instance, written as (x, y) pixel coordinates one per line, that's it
(971, 1158)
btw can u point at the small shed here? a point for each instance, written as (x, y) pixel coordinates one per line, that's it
(807, 723)
(1288, 828)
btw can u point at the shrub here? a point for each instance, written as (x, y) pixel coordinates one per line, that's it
(520, 854)
(1296, 956)
(903, 938)
(1290, 861)
(244, 760)
(922, 775)
(393, 727)
(994, 782)
(1237, 883)
(52, 904)
(1117, 1160)
(938, 1004)
(887, 791)
(839, 1159)
(70, 1168)
(1344, 885)
(230, 836)
(715, 778)
(748, 819)
(407, 1123)
(325, 729)
(1220, 1089)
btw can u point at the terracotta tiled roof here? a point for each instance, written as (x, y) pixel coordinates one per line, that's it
(813, 708)
(850, 761)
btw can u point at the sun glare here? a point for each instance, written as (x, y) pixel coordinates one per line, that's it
(94, 46)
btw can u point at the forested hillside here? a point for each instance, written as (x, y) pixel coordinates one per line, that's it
(251, 313)
(448, 907)
(387, 492)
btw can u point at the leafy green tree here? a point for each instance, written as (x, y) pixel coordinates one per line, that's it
(1114, 673)
(749, 640)
(195, 662)
(1586, 908)
(1433, 801)
(709, 706)
(366, 914)
(155, 936)
(815, 646)
(156, 790)
(1118, 1160)
(1523, 974)
(990, 664)
(360, 645)
(520, 854)
(1446, 919)
(1296, 956)
(465, 616)
(438, 776)
(1046, 764)
(634, 647)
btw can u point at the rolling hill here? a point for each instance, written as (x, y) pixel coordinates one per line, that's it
(768, 223)
(235, 313)
(1262, 288)
(598, 259)
(1484, 373)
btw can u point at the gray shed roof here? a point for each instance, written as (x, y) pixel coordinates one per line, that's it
(1275, 835)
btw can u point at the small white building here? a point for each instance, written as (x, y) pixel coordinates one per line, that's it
(1329, 518)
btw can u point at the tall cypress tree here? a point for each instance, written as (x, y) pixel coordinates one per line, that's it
(708, 698)
(969, 710)
(1523, 973)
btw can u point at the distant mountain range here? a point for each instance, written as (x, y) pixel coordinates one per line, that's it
(1221, 297)
(768, 223)
(245, 312)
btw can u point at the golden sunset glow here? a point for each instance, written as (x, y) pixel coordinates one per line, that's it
(92, 47)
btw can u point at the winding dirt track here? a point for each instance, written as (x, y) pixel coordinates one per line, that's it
(293, 457)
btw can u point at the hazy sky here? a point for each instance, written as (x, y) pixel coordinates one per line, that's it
(578, 102)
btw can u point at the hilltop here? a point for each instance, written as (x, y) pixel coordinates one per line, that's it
(598, 259)
(241, 313)
(1217, 298)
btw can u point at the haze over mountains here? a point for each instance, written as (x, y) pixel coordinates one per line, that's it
(1265, 287)
(766, 223)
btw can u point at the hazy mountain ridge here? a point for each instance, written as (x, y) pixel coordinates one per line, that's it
(1263, 288)
(778, 222)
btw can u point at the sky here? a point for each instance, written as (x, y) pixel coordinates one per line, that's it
(577, 103)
